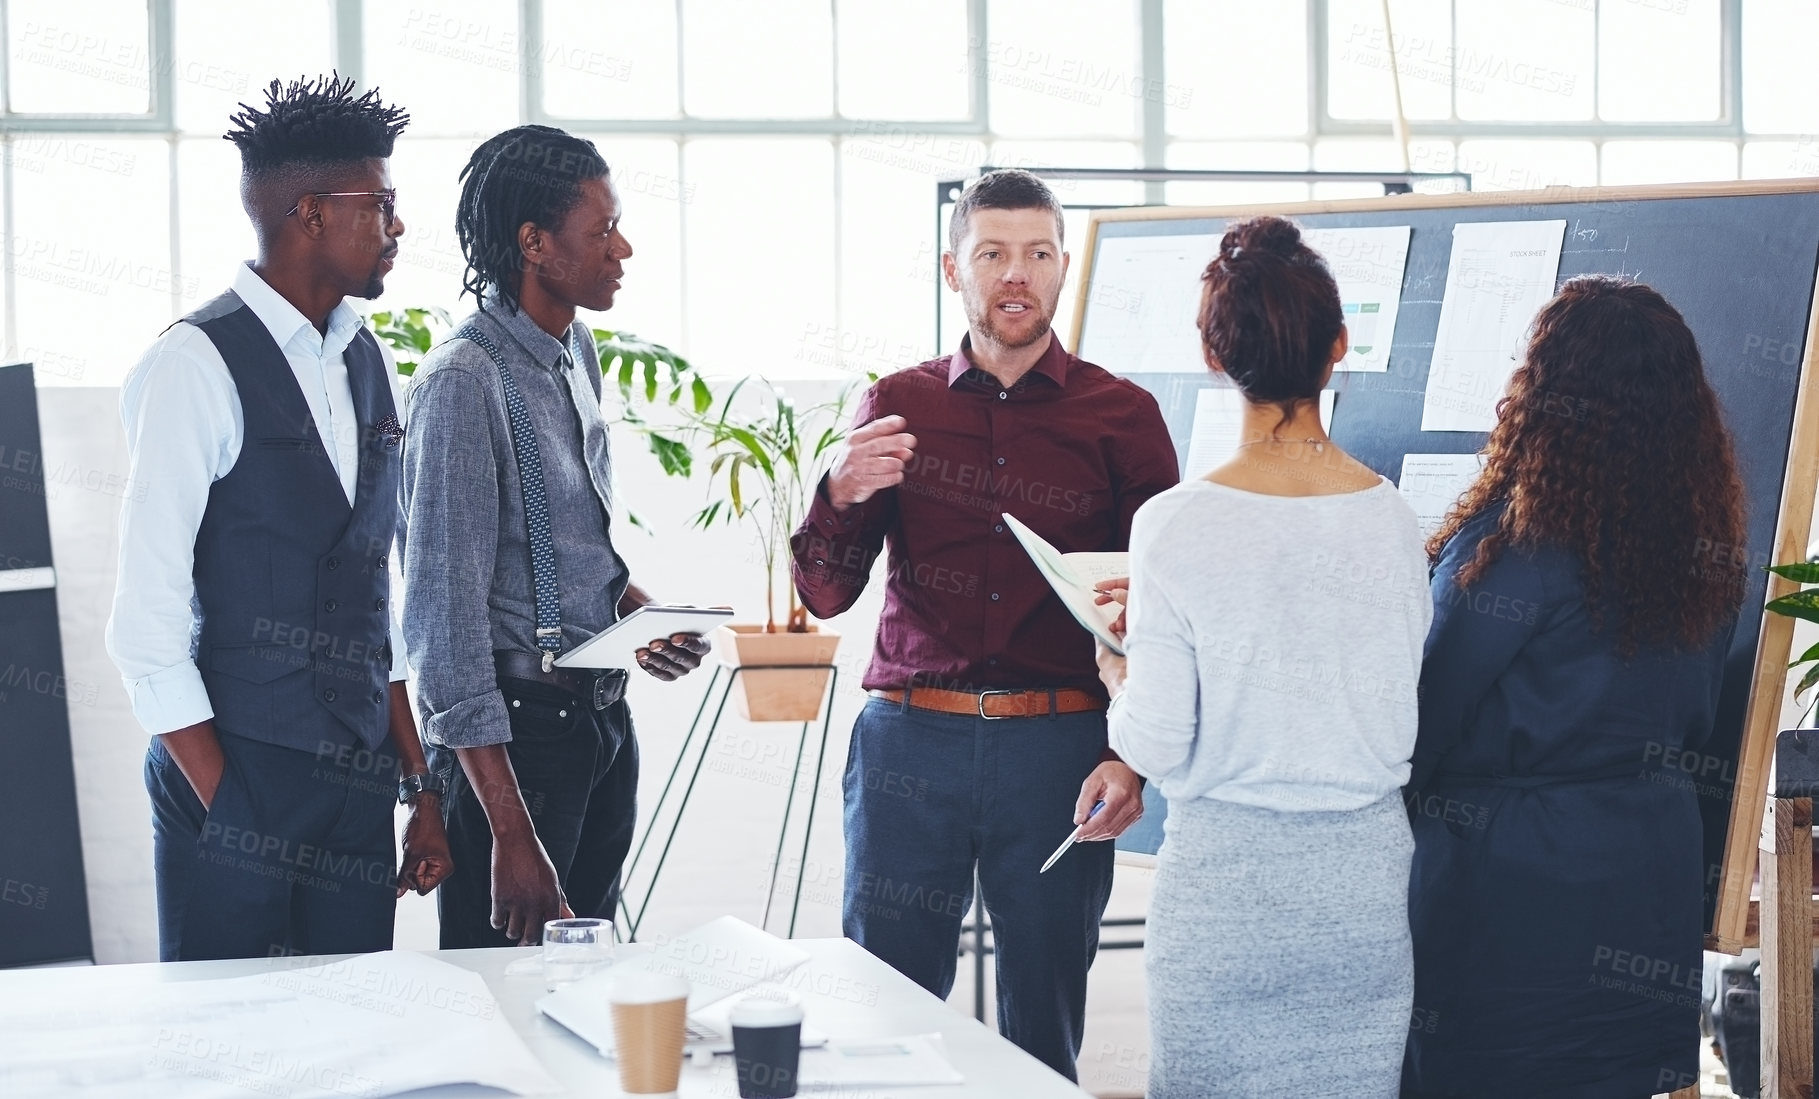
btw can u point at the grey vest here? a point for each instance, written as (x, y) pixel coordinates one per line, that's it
(291, 582)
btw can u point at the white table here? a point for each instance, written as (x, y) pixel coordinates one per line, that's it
(845, 992)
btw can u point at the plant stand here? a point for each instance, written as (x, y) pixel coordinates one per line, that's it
(633, 921)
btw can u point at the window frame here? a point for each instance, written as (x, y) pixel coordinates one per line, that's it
(1153, 139)
(1727, 126)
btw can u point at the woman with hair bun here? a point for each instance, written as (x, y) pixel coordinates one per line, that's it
(1276, 611)
(1578, 642)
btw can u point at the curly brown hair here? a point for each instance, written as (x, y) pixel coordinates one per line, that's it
(1609, 443)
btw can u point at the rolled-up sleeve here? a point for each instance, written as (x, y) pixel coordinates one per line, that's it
(451, 501)
(832, 551)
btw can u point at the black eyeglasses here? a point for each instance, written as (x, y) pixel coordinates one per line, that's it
(388, 201)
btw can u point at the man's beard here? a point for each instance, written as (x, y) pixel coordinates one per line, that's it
(985, 323)
(375, 285)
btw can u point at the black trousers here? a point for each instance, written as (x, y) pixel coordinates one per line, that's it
(297, 854)
(577, 768)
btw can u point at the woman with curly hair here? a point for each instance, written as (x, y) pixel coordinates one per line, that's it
(1578, 639)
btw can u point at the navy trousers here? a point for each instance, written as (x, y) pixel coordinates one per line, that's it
(577, 769)
(296, 855)
(929, 798)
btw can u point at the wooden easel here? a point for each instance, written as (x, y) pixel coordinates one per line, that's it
(1622, 213)
(1787, 919)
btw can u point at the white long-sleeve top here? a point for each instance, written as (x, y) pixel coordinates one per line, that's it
(1274, 646)
(184, 429)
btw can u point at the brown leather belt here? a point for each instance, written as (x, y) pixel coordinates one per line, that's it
(993, 705)
(595, 687)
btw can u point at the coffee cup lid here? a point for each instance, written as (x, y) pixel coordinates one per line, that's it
(647, 988)
(759, 1011)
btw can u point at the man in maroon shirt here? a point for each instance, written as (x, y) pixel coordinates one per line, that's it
(984, 741)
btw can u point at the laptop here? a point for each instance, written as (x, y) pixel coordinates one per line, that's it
(718, 960)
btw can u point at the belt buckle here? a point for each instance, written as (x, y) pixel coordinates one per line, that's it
(600, 702)
(983, 695)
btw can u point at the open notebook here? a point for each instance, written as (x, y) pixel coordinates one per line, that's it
(1073, 575)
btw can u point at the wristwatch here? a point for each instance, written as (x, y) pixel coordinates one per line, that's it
(411, 785)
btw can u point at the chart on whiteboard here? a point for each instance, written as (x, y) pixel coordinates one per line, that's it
(1141, 310)
(1500, 275)
(1367, 262)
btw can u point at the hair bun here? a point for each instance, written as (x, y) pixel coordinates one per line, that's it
(1270, 235)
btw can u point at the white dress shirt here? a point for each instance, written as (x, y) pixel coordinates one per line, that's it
(184, 428)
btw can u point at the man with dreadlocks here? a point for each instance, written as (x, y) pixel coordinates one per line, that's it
(251, 619)
(510, 560)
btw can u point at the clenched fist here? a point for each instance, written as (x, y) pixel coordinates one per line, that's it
(872, 459)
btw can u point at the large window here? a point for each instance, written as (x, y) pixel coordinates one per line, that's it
(778, 160)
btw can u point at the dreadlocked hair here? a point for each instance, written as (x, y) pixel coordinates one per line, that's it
(1610, 444)
(526, 174)
(318, 121)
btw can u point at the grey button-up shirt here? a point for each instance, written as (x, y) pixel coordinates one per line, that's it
(467, 559)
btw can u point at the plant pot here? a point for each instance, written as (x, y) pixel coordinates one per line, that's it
(770, 693)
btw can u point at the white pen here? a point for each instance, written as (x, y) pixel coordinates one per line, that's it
(1072, 838)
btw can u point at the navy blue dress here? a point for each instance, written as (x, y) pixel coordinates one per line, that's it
(1555, 899)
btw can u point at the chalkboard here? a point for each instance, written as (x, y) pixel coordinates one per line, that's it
(1739, 260)
(43, 894)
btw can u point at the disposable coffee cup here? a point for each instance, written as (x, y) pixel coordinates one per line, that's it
(767, 1047)
(650, 1024)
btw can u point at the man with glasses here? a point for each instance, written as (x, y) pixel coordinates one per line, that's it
(252, 619)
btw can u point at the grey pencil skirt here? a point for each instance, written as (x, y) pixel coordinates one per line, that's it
(1278, 959)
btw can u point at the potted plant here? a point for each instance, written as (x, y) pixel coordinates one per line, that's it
(1802, 604)
(767, 456)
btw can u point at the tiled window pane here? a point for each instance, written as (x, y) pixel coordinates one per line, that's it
(1524, 165)
(1234, 69)
(1668, 162)
(219, 65)
(653, 200)
(1064, 68)
(213, 231)
(426, 171)
(1781, 159)
(1358, 48)
(760, 254)
(1282, 156)
(1076, 154)
(770, 60)
(453, 65)
(1658, 61)
(1374, 155)
(87, 59)
(888, 251)
(608, 59)
(1525, 60)
(1780, 80)
(906, 61)
(93, 247)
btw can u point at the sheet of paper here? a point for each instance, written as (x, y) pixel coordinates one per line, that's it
(1093, 568)
(916, 1060)
(1219, 425)
(1143, 301)
(1431, 483)
(1500, 275)
(1075, 590)
(1367, 263)
(374, 1025)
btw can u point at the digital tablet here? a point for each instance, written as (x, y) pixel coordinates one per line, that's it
(617, 645)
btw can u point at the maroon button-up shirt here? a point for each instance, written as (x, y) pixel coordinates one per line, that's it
(1071, 449)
